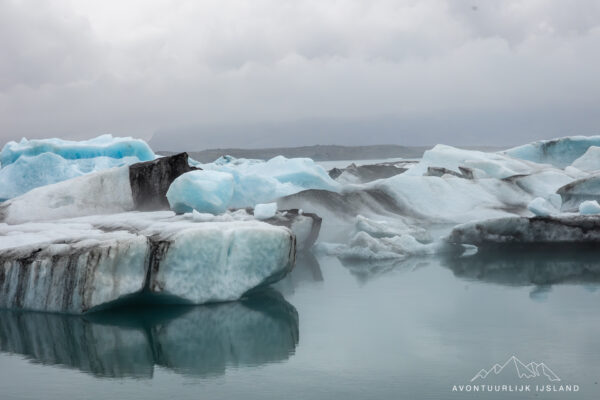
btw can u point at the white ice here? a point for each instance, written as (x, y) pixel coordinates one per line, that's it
(265, 211)
(203, 262)
(589, 207)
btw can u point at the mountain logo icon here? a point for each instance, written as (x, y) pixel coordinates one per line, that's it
(524, 371)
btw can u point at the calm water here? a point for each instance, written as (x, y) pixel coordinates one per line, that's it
(412, 330)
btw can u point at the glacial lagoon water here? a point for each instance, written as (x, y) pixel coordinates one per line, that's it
(420, 329)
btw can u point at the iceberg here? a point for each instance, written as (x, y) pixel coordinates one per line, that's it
(30, 172)
(257, 182)
(560, 152)
(34, 163)
(203, 191)
(141, 186)
(535, 233)
(101, 146)
(82, 264)
(488, 165)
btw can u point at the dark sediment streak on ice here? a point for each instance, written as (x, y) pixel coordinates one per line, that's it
(150, 180)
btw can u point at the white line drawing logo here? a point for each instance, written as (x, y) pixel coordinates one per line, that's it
(527, 371)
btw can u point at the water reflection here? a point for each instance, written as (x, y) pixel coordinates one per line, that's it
(306, 270)
(199, 341)
(365, 271)
(529, 268)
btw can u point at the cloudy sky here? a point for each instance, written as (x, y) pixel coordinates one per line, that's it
(292, 72)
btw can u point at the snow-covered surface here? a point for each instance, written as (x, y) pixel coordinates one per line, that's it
(104, 257)
(34, 163)
(203, 191)
(265, 211)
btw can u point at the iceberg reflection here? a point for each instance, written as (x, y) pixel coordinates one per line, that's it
(191, 340)
(529, 268)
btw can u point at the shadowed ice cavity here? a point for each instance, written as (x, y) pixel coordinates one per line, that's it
(191, 340)
(540, 269)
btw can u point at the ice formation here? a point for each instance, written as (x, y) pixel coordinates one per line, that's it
(101, 146)
(589, 207)
(529, 232)
(76, 265)
(265, 211)
(560, 152)
(543, 207)
(589, 161)
(257, 182)
(34, 163)
(203, 191)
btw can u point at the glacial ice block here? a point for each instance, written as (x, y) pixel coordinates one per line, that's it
(34, 163)
(76, 265)
(259, 181)
(141, 186)
(565, 230)
(101, 146)
(559, 152)
(70, 275)
(103, 192)
(203, 191)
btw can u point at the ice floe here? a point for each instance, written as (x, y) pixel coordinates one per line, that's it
(79, 264)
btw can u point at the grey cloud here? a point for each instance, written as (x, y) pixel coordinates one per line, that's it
(238, 73)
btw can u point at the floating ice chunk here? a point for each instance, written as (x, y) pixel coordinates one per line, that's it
(589, 161)
(34, 163)
(203, 191)
(264, 181)
(537, 232)
(265, 211)
(483, 164)
(542, 207)
(76, 265)
(365, 247)
(589, 207)
(558, 152)
(101, 146)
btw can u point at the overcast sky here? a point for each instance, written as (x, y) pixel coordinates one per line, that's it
(282, 72)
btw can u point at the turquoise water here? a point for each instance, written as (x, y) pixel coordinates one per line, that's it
(413, 330)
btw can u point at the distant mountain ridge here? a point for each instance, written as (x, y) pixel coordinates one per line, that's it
(527, 371)
(320, 152)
